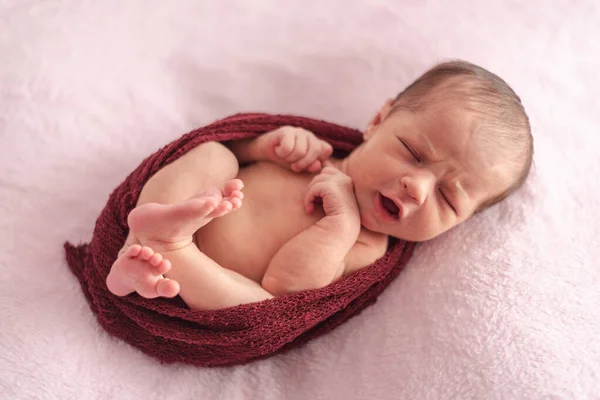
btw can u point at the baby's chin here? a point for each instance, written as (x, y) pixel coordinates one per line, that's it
(372, 227)
(367, 224)
(405, 234)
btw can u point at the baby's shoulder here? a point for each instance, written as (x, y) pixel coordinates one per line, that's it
(373, 242)
(369, 247)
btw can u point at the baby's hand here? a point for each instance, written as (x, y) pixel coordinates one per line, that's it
(296, 147)
(336, 191)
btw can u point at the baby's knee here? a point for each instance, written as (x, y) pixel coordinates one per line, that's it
(207, 165)
(216, 158)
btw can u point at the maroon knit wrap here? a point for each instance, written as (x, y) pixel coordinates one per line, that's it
(166, 328)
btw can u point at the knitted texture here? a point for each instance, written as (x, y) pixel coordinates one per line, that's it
(166, 328)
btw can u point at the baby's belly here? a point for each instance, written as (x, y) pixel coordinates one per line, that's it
(272, 213)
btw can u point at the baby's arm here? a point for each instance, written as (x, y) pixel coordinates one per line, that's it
(312, 259)
(288, 146)
(316, 257)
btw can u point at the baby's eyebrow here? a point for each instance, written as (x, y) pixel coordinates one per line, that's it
(429, 150)
(460, 189)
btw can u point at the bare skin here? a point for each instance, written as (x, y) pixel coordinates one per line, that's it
(307, 219)
(166, 228)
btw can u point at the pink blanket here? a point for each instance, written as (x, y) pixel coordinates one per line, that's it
(505, 306)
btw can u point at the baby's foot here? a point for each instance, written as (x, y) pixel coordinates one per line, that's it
(140, 269)
(167, 227)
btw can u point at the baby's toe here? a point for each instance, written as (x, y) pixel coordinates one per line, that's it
(222, 209)
(236, 203)
(156, 259)
(231, 186)
(146, 253)
(236, 194)
(134, 250)
(167, 288)
(147, 288)
(207, 202)
(163, 267)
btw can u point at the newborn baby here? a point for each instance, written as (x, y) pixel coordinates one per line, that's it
(453, 143)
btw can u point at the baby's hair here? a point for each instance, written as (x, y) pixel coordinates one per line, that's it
(503, 121)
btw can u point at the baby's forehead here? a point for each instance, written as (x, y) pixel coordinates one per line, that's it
(457, 138)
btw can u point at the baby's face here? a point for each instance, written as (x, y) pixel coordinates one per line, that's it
(418, 175)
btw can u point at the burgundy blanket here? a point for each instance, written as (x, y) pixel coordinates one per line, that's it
(166, 328)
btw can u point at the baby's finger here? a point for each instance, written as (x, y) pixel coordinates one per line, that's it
(300, 149)
(310, 157)
(327, 163)
(273, 138)
(326, 151)
(329, 168)
(315, 166)
(286, 145)
(309, 206)
(319, 179)
(314, 193)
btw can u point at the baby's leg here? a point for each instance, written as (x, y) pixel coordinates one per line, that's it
(165, 227)
(209, 165)
(168, 229)
(207, 285)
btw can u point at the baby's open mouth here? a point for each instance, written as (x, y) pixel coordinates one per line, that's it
(390, 207)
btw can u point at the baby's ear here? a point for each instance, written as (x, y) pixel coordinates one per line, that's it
(378, 118)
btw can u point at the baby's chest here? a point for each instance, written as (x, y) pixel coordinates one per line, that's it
(272, 213)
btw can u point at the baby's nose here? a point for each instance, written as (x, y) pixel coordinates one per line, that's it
(419, 186)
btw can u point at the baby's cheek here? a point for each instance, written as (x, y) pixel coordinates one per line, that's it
(448, 220)
(430, 225)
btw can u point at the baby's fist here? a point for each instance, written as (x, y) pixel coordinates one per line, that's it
(297, 148)
(335, 191)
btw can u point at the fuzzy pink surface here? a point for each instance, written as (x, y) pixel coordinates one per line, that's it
(505, 306)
